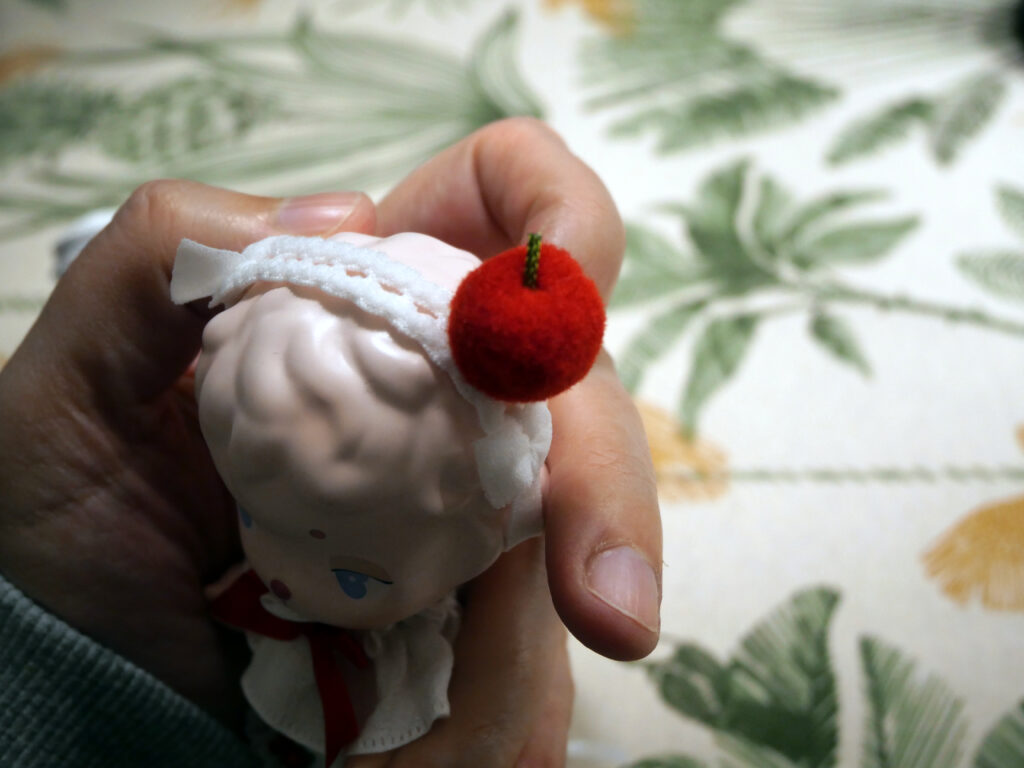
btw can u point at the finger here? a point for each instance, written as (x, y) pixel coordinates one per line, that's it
(485, 194)
(548, 742)
(489, 191)
(601, 519)
(110, 318)
(508, 657)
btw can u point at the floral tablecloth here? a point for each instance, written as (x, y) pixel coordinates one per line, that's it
(821, 314)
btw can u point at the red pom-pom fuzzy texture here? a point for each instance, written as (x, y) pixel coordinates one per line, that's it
(521, 344)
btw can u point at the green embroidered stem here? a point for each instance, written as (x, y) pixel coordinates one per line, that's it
(963, 474)
(901, 303)
(530, 274)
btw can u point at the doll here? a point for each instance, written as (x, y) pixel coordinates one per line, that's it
(376, 408)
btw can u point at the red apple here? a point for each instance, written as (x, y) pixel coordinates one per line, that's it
(526, 324)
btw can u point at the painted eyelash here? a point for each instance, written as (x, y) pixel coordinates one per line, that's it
(353, 583)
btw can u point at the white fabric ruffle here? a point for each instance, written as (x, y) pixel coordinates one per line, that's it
(396, 701)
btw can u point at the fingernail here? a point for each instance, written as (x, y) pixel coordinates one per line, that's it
(624, 579)
(315, 214)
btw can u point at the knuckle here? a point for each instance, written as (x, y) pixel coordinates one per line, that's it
(520, 130)
(149, 205)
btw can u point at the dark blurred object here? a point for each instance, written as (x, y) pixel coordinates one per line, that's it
(1018, 23)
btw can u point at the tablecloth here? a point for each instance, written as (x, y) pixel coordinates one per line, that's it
(821, 314)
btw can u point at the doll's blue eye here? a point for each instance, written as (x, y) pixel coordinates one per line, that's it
(353, 583)
(245, 517)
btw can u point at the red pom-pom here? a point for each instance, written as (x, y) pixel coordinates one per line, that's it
(519, 343)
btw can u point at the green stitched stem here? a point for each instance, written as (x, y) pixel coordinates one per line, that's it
(900, 303)
(530, 274)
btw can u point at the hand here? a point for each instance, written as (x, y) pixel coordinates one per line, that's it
(113, 517)
(111, 513)
(602, 527)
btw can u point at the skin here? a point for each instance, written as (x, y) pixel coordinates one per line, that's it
(113, 518)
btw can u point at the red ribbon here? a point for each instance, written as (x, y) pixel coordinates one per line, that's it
(239, 606)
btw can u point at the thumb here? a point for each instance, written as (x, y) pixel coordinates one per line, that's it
(111, 320)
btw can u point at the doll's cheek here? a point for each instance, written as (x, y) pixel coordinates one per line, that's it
(280, 589)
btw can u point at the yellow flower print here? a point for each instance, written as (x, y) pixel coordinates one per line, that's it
(21, 61)
(983, 555)
(685, 468)
(614, 14)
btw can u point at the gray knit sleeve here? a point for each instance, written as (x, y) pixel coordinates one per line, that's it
(66, 700)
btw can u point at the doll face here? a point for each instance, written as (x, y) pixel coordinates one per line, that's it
(350, 455)
(365, 566)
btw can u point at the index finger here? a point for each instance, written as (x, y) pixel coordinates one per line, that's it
(602, 524)
(489, 191)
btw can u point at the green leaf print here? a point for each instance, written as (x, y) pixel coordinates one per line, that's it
(1011, 207)
(767, 102)
(1001, 273)
(655, 268)
(178, 118)
(783, 689)
(913, 721)
(774, 204)
(740, 753)
(1003, 746)
(711, 221)
(44, 117)
(810, 217)
(669, 761)
(288, 112)
(674, 72)
(775, 701)
(713, 226)
(878, 131)
(744, 235)
(695, 684)
(835, 336)
(653, 340)
(493, 72)
(855, 243)
(964, 112)
(951, 119)
(752, 240)
(717, 355)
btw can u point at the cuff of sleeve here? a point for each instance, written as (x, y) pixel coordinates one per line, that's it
(66, 700)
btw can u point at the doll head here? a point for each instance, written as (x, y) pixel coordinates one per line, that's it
(371, 480)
